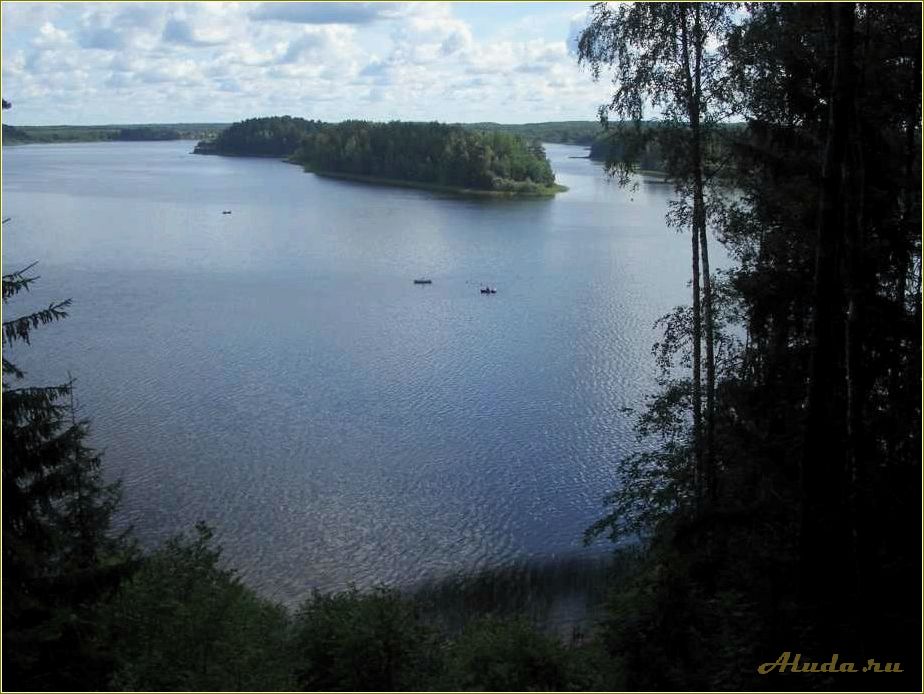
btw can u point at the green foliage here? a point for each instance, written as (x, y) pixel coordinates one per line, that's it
(652, 50)
(724, 588)
(59, 561)
(185, 623)
(354, 641)
(669, 630)
(649, 146)
(531, 589)
(575, 132)
(506, 655)
(277, 136)
(435, 153)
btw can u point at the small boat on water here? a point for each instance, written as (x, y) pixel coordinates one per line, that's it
(488, 290)
(423, 280)
(226, 211)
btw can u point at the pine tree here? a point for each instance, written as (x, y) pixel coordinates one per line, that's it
(59, 560)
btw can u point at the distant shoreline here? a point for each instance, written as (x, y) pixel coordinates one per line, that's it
(21, 143)
(16, 135)
(280, 157)
(542, 192)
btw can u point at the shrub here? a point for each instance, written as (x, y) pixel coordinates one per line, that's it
(185, 623)
(354, 641)
(506, 655)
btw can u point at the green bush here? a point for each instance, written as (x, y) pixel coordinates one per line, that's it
(506, 655)
(185, 623)
(354, 641)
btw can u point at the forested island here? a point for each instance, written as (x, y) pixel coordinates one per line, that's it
(444, 157)
(449, 158)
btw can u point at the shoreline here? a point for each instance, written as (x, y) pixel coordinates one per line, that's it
(20, 143)
(543, 192)
(280, 157)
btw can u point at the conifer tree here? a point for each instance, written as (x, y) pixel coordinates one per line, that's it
(59, 560)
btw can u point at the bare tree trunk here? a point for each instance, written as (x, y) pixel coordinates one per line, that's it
(699, 470)
(699, 226)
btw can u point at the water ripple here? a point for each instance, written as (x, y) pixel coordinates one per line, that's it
(276, 374)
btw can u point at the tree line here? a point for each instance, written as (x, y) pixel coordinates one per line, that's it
(276, 136)
(45, 134)
(577, 132)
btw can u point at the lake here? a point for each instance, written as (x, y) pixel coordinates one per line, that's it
(276, 373)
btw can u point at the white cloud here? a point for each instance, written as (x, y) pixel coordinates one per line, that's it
(194, 61)
(50, 35)
(180, 31)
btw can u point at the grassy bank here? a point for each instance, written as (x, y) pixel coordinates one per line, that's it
(534, 192)
(562, 597)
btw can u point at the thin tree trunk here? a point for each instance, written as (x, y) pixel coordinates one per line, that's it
(699, 222)
(699, 470)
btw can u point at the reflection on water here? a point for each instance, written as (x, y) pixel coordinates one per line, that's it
(276, 373)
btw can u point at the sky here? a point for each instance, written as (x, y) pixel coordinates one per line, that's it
(86, 63)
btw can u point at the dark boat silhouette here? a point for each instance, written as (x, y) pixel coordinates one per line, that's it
(423, 281)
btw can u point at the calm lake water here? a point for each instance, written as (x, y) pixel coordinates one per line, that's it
(275, 372)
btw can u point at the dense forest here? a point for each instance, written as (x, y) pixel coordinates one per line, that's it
(429, 153)
(777, 484)
(576, 132)
(276, 136)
